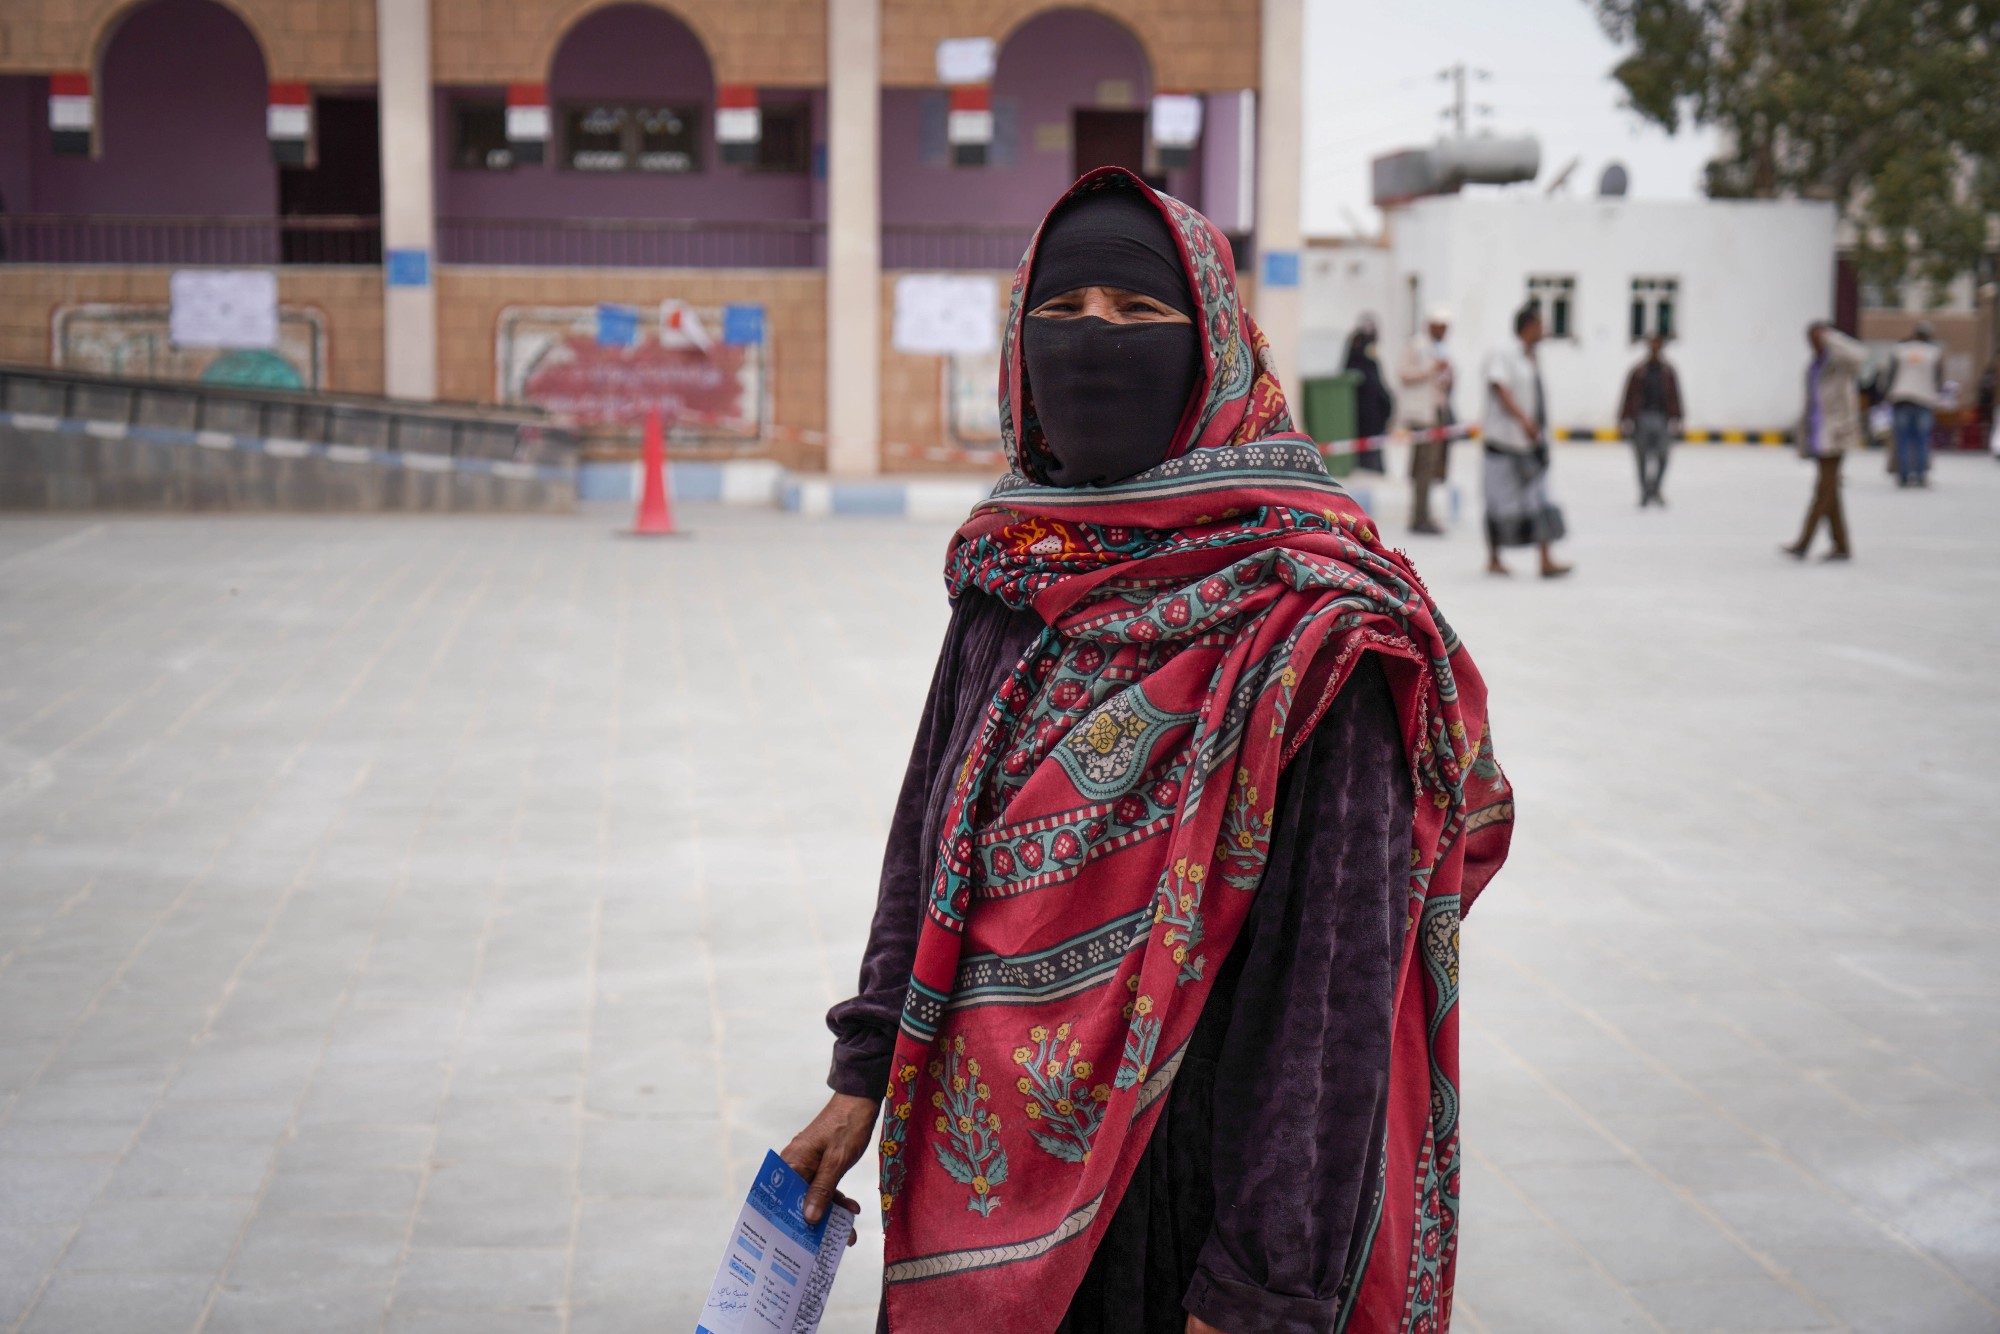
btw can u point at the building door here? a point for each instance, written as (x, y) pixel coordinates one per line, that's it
(344, 183)
(1108, 139)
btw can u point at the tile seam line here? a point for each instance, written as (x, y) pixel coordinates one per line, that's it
(496, 899)
(1808, 1075)
(614, 735)
(134, 589)
(394, 897)
(366, 670)
(1547, 1220)
(1715, 951)
(754, 706)
(277, 775)
(1786, 989)
(1682, 1193)
(276, 598)
(1772, 1145)
(84, 891)
(107, 631)
(718, 1021)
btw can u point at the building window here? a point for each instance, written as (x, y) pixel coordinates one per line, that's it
(1555, 297)
(632, 138)
(786, 141)
(1874, 296)
(1655, 308)
(479, 136)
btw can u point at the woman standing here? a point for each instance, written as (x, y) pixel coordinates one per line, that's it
(1374, 405)
(1162, 980)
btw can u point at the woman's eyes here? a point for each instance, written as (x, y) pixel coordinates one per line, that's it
(1142, 309)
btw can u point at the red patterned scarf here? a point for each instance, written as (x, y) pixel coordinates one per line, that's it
(1111, 822)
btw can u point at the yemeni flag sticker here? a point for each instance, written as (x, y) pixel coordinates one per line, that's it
(72, 114)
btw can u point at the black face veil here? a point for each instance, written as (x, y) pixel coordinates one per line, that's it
(1109, 396)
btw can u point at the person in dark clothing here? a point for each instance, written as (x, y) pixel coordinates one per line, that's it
(1186, 814)
(1374, 405)
(1650, 415)
(1984, 405)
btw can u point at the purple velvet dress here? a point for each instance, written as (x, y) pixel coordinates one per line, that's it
(1250, 1206)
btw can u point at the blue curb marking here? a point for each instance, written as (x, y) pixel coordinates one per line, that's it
(278, 447)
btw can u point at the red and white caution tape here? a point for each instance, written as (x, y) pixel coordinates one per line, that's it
(990, 460)
(1368, 444)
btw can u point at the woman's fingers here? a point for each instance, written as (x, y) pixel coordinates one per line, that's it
(824, 1150)
(853, 1208)
(825, 1186)
(802, 1155)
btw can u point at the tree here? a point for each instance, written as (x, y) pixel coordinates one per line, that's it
(1889, 108)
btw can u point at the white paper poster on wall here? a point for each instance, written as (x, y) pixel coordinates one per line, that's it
(946, 314)
(223, 308)
(966, 60)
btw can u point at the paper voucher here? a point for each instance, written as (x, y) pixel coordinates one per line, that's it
(778, 1269)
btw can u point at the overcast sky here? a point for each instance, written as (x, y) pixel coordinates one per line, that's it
(1371, 87)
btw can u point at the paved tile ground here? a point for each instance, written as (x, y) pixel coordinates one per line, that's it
(419, 924)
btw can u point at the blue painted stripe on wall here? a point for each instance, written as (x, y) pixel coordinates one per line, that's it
(886, 499)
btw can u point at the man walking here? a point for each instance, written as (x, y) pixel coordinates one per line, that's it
(1519, 509)
(1650, 415)
(1425, 375)
(1916, 381)
(1831, 426)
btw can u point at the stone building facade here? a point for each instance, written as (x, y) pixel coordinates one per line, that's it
(459, 226)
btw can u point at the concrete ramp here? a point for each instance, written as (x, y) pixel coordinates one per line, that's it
(72, 442)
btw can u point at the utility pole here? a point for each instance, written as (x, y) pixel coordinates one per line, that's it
(1456, 74)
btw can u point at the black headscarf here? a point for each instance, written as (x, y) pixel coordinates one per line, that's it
(1109, 396)
(1374, 405)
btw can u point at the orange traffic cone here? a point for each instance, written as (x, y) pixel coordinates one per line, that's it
(654, 519)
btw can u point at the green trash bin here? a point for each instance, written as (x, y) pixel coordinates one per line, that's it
(1331, 412)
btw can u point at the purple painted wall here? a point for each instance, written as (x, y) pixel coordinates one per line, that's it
(1048, 67)
(20, 95)
(181, 93)
(627, 53)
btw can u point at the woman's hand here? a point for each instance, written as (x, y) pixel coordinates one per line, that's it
(825, 1149)
(1196, 1325)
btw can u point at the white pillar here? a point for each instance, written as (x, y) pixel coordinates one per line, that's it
(854, 237)
(1280, 160)
(409, 269)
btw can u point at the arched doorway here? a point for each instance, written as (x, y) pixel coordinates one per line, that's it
(632, 175)
(181, 95)
(1069, 85)
(632, 90)
(1081, 82)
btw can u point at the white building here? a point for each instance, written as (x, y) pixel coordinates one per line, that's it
(1734, 283)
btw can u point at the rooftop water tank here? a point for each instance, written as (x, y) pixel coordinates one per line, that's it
(1451, 164)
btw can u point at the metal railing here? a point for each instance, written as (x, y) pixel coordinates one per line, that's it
(87, 238)
(663, 243)
(535, 243)
(945, 246)
(667, 243)
(460, 430)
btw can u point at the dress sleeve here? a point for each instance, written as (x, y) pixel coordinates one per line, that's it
(984, 640)
(1302, 1080)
